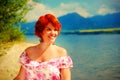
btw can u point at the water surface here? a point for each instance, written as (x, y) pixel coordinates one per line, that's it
(95, 57)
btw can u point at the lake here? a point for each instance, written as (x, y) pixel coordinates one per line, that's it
(95, 57)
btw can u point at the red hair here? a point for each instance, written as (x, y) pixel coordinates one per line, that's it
(43, 21)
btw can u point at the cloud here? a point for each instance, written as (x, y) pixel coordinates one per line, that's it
(62, 9)
(85, 10)
(37, 10)
(73, 7)
(105, 10)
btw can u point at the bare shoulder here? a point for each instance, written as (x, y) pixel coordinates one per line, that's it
(29, 49)
(61, 51)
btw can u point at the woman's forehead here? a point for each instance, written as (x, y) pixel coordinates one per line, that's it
(50, 26)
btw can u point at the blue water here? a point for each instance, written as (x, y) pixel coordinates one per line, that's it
(95, 57)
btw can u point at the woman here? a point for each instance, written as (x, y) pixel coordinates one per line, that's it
(45, 61)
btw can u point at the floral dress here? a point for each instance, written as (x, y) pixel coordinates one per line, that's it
(48, 70)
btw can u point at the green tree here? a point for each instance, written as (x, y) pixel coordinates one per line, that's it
(12, 12)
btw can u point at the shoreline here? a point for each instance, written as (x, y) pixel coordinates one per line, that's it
(9, 65)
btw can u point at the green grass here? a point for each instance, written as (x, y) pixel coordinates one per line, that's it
(100, 30)
(12, 34)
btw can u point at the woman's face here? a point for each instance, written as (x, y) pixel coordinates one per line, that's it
(49, 34)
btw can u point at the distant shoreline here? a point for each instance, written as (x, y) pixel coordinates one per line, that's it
(89, 31)
(93, 31)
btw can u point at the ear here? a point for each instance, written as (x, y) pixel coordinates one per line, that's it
(40, 36)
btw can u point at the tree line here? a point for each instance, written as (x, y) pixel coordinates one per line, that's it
(12, 13)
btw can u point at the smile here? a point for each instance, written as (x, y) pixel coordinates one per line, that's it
(52, 37)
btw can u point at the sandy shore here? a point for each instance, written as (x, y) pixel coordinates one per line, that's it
(9, 65)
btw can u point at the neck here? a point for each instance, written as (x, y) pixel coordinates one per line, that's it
(46, 44)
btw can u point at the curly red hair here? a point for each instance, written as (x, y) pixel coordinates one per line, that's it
(43, 21)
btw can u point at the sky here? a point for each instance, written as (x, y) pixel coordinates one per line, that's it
(85, 8)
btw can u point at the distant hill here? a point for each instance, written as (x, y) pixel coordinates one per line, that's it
(73, 21)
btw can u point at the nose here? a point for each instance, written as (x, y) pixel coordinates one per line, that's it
(53, 32)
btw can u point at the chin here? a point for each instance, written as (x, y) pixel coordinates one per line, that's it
(52, 41)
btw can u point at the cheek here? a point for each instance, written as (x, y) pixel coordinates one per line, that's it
(57, 33)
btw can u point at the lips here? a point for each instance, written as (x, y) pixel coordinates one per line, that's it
(52, 37)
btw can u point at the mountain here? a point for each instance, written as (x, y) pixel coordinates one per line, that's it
(106, 21)
(73, 21)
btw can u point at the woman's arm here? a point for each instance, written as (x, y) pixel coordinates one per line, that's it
(21, 74)
(65, 74)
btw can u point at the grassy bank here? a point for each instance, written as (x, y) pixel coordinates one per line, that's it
(93, 31)
(100, 30)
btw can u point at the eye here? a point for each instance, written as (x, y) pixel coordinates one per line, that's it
(48, 29)
(55, 29)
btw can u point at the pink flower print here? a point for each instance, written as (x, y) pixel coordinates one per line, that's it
(28, 74)
(63, 64)
(41, 76)
(51, 63)
(54, 76)
(27, 61)
(34, 79)
(44, 70)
